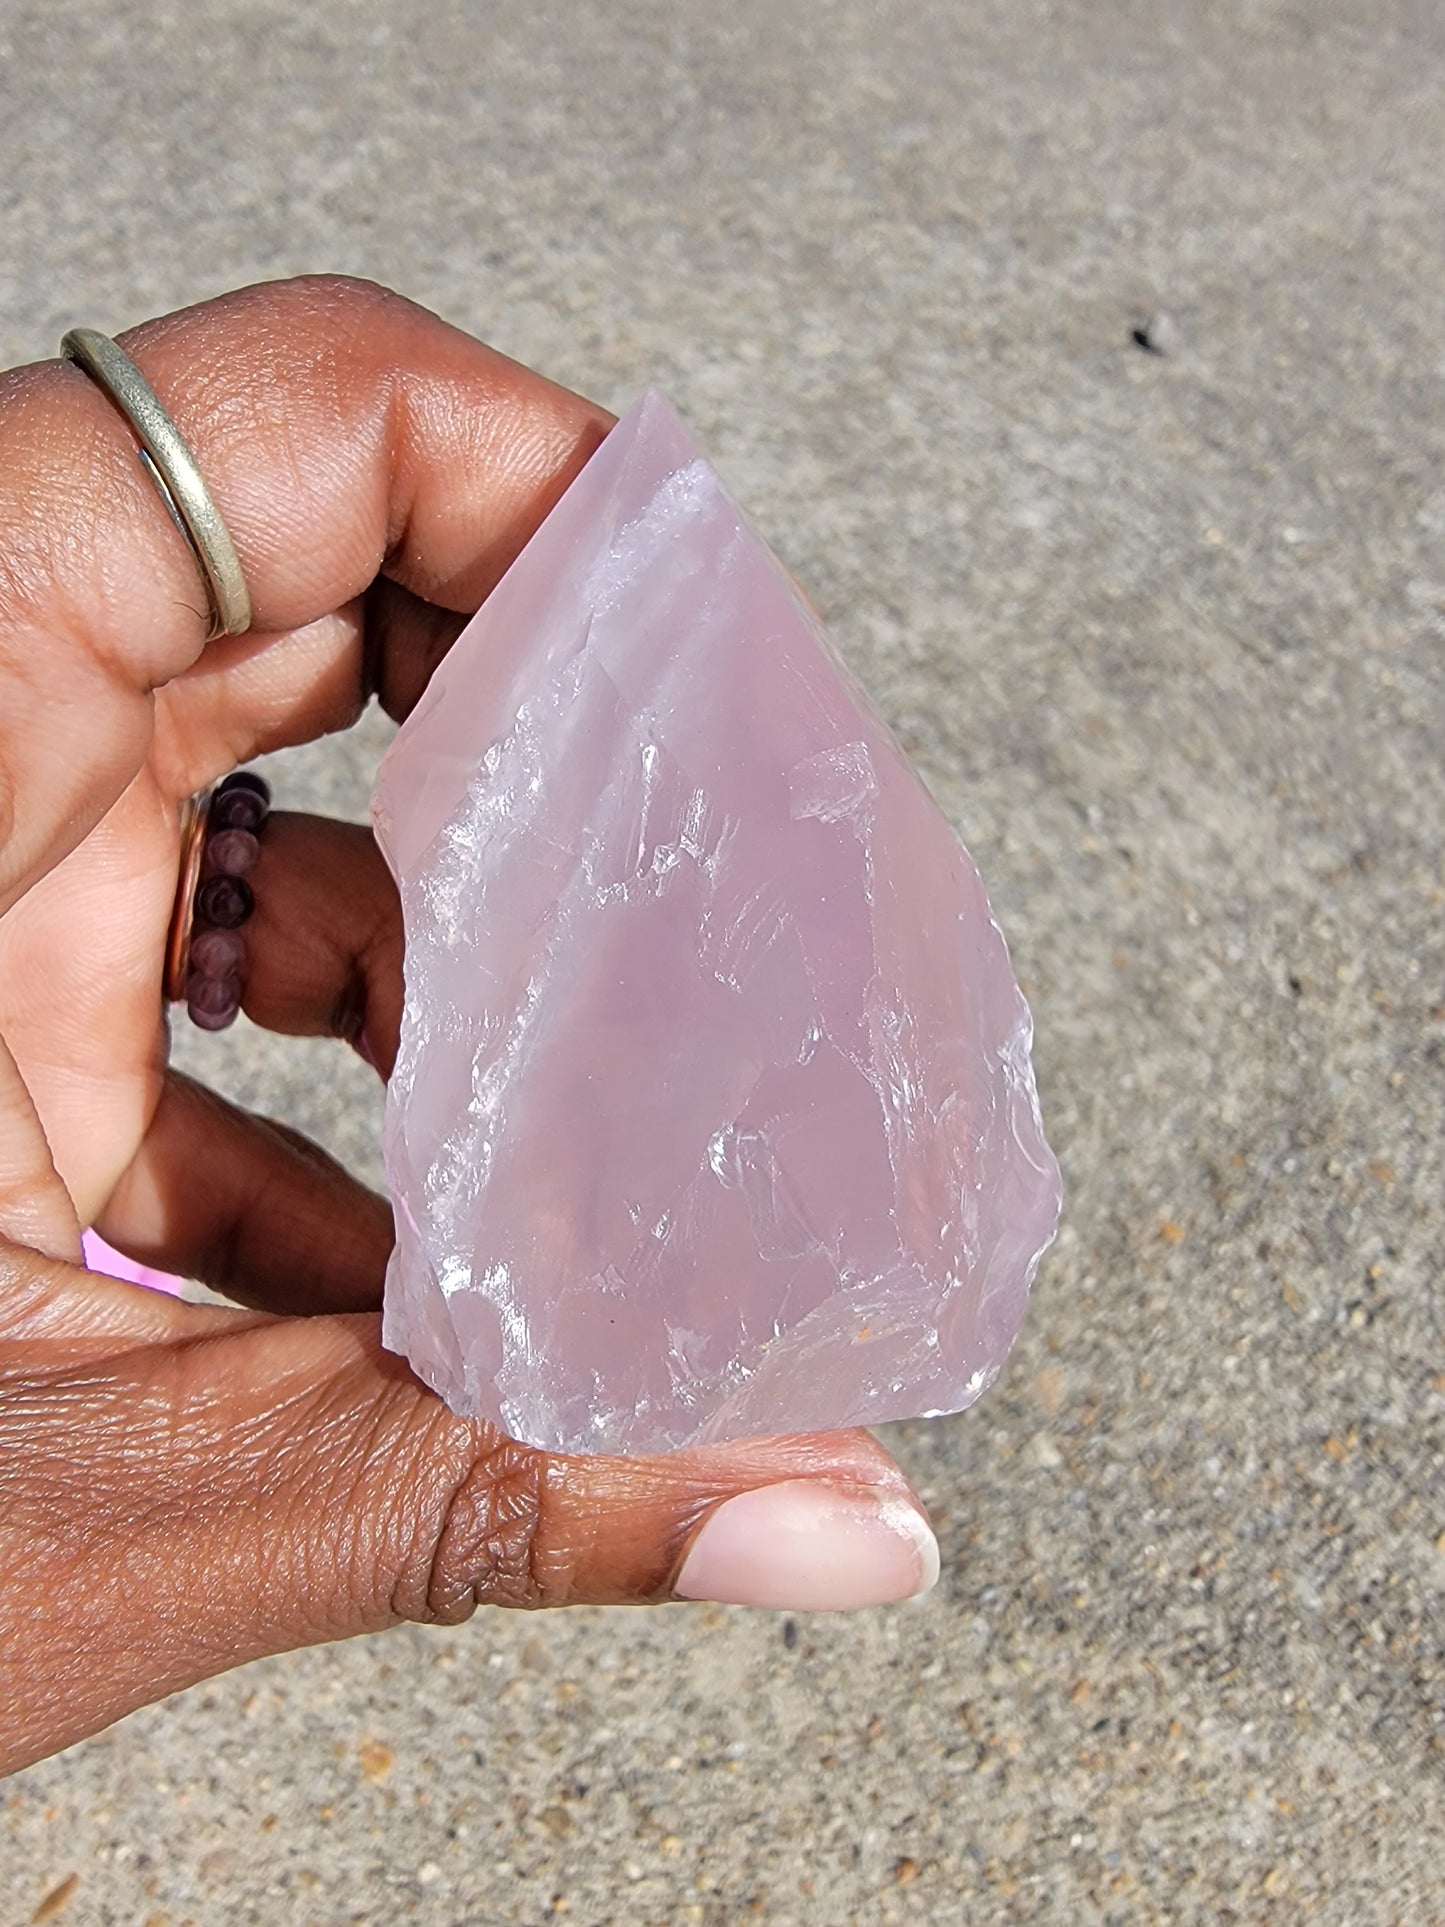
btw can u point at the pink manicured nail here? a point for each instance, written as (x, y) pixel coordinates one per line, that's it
(809, 1547)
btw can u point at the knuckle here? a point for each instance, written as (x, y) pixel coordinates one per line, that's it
(491, 1550)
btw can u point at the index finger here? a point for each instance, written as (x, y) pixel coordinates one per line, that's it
(343, 433)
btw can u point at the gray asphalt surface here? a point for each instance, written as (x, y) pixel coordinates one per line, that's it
(1164, 632)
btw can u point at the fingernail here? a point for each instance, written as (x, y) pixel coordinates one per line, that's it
(809, 1547)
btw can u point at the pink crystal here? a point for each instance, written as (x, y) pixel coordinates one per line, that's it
(714, 1113)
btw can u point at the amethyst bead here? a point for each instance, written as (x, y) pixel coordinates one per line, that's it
(240, 809)
(232, 853)
(245, 779)
(204, 1020)
(213, 1001)
(225, 902)
(217, 953)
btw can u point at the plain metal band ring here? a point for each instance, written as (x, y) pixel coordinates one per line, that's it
(175, 470)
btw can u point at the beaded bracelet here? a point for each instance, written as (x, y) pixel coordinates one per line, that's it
(229, 847)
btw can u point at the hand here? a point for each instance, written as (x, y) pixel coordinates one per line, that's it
(183, 1488)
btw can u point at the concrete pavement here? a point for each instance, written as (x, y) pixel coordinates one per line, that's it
(1164, 632)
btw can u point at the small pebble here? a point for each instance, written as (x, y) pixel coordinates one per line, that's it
(1159, 334)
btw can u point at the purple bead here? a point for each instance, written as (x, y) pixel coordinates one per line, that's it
(245, 779)
(217, 953)
(205, 1020)
(213, 1001)
(224, 902)
(237, 810)
(232, 853)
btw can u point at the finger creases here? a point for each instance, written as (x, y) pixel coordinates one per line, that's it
(401, 1510)
(343, 433)
(241, 1491)
(35, 1207)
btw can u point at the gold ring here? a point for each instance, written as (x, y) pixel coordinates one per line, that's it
(173, 469)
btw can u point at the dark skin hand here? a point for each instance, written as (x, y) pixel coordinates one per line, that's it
(183, 1488)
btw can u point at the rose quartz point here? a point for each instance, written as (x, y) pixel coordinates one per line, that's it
(714, 1112)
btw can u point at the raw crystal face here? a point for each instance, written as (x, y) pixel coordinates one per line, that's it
(714, 1114)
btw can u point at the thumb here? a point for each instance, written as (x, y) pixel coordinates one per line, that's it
(254, 1484)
